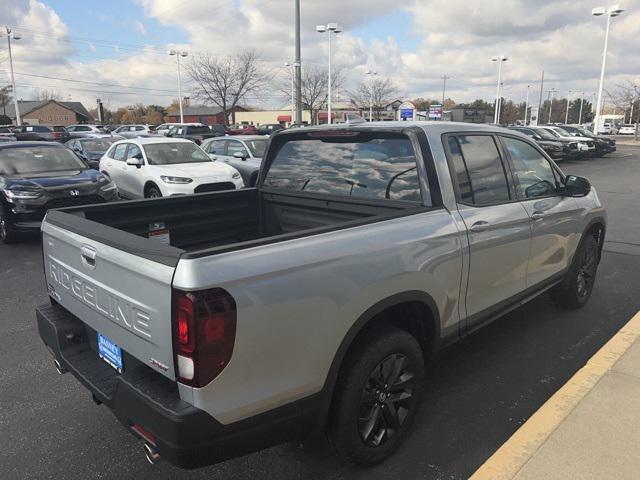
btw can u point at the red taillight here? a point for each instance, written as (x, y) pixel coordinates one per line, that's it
(57, 134)
(204, 334)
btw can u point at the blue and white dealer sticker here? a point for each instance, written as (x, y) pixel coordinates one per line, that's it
(110, 352)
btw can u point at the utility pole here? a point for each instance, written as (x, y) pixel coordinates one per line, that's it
(298, 66)
(444, 88)
(13, 80)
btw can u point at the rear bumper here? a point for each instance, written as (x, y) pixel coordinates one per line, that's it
(183, 434)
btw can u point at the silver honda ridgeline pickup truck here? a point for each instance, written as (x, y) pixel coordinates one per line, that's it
(218, 324)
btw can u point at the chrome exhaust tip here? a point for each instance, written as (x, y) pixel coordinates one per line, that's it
(151, 454)
(59, 368)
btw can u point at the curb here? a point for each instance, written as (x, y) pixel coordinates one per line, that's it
(514, 454)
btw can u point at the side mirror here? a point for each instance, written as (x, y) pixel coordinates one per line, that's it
(135, 161)
(575, 186)
(537, 137)
(240, 155)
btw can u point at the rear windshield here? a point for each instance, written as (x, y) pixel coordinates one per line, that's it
(98, 144)
(23, 160)
(198, 130)
(59, 129)
(358, 166)
(171, 153)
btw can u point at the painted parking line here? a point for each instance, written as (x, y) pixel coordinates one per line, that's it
(511, 457)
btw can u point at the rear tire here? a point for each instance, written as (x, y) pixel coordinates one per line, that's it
(7, 234)
(576, 288)
(377, 396)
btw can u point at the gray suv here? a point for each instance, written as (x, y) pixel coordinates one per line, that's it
(218, 324)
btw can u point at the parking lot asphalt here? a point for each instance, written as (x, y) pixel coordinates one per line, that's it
(478, 392)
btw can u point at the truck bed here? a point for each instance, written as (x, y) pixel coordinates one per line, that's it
(221, 221)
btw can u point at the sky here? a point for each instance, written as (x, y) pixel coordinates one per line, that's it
(116, 50)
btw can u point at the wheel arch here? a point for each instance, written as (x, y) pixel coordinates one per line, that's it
(148, 184)
(596, 227)
(425, 317)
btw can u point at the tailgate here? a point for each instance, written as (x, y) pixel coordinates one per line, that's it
(122, 296)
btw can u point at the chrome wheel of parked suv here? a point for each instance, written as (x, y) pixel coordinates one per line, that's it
(377, 396)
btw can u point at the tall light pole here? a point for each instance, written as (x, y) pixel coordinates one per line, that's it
(566, 115)
(332, 29)
(292, 71)
(499, 59)
(526, 105)
(11, 34)
(581, 103)
(179, 54)
(612, 11)
(372, 74)
(298, 65)
(551, 93)
(444, 87)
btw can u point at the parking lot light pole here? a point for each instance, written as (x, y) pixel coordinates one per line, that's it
(15, 36)
(498, 59)
(331, 29)
(179, 54)
(566, 115)
(612, 11)
(551, 93)
(526, 105)
(372, 74)
(581, 103)
(292, 69)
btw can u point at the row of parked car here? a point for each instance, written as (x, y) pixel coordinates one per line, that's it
(564, 142)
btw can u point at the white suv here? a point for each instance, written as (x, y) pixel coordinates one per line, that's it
(162, 167)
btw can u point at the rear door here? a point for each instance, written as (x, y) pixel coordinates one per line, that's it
(123, 297)
(133, 177)
(555, 219)
(497, 224)
(117, 168)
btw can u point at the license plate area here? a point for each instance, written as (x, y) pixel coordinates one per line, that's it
(110, 352)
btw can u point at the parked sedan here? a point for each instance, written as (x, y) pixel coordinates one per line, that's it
(603, 144)
(242, 130)
(195, 133)
(242, 152)
(585, 145)
(269, 128)
(133, 131)
(37, 176)
(91, 149)
(80, 131)
(161, 167)
(46, 133)
(556, 148)
(628, 129)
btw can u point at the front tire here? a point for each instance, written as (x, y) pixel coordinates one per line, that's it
(7, 235)
(377, 397)
(576, 288)
(153, 192)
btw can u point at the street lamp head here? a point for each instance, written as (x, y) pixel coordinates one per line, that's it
(287, 64)
(171, 52)
(596, 12)
(321, 28)
(333, 27)
(16, 36)
(501, 58)
(184, 54)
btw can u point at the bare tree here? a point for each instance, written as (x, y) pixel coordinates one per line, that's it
(5, 98)
(226, 81)
(45, 94)
(626, 97)
(377, 93)
(315, 88)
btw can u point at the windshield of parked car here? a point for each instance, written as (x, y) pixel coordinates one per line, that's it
(257, 147)
(172, 153)
(357, 165)
(545, 134)
(562, 132)
(98, 145)
(24, 160)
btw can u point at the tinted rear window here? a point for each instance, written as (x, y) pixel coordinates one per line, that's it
(361, 166)
(198, 130)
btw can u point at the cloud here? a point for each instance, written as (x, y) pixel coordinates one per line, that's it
(456, 38)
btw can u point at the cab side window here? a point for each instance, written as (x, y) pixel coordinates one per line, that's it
(533, 172)
(478, 170)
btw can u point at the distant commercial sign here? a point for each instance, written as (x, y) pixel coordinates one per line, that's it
(407, 111)
(533, 117)
(435, 112)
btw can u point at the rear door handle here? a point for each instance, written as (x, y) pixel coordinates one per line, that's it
(480, 226)
(537, 215)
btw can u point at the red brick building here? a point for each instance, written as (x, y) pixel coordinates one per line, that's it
(203, 114)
